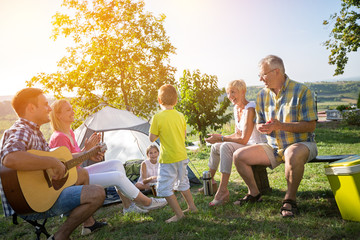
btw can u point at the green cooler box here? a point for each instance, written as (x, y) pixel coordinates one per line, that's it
(344, 178)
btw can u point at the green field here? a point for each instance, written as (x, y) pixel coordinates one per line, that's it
(319, 217)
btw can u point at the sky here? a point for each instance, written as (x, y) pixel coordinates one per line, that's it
(226, 38)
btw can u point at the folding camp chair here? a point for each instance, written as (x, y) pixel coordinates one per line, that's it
(39, 228)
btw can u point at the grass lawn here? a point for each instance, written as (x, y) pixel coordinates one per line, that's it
(319, 216)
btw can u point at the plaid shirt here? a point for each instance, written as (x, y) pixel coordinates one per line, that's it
(294, 103)
(22, 136)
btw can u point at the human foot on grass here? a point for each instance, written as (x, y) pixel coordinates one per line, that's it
(221, 198)
(191, 210)
(289, 208)
(174, 219)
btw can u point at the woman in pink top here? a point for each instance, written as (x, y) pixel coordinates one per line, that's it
(104, 173)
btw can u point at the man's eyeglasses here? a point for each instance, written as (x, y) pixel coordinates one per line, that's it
(263, 75)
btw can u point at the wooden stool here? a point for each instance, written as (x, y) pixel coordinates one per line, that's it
(261, 178)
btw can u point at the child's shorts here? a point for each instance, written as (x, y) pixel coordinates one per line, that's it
(172, 176)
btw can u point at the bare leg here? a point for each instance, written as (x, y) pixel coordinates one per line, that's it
(176, 208)
(92, 197)
(83, 179)
(213, 172)
(190, 201)
(214, 160)
(142, 199)
(89, 222)
(126, 202)
(223, 192)
(244, 158)
(295, 159)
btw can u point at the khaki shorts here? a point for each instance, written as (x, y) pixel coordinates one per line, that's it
(274, 163)
(172, 176)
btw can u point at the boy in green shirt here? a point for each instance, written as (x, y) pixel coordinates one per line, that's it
(169, 125)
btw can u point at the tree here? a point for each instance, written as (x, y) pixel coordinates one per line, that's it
(345, 36)
(199, 102)
(120, 56)
(358, 102)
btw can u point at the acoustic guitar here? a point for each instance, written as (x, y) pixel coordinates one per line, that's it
(35, 191)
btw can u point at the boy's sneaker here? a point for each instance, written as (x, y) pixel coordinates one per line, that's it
(97, 225)
(155, 204)
(134, 208)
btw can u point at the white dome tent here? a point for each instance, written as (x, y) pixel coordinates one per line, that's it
(125, 135)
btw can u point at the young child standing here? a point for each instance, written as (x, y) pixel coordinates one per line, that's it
(169, 125)
(149, 168)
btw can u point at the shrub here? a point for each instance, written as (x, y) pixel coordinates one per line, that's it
(352, 117)
(343, 107)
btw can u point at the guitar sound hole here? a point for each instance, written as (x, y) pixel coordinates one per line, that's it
(57, 184)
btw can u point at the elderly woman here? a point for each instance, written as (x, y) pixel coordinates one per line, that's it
(105, 173)
(223, 147)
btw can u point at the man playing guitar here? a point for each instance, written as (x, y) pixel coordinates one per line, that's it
(78, 202)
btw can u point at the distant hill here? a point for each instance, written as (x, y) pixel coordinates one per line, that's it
(5, 98)
(326, 91)
(335, 91)
(6, 109)
(328, 94)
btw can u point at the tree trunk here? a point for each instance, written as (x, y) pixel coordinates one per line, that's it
(202, 139)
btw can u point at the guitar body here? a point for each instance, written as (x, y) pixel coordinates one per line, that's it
(35, 191)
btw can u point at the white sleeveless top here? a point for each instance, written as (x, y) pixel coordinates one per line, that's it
(256, 136)
(151, 170)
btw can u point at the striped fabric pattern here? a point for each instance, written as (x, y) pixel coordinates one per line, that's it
(294, 103)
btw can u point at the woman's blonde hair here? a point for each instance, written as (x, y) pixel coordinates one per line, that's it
(238, 84)
(55, 122)
(151, 147)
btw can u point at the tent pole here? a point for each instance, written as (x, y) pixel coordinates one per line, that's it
(195, 169)
(102, 140)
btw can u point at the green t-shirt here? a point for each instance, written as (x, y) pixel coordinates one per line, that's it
(170, 126)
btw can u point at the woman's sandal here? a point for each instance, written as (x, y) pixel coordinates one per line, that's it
(294, 209)
(248, 199)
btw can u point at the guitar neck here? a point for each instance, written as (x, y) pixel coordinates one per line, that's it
(84, 156)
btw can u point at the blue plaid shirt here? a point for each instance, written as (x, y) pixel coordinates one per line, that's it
(294, 103)
(23, 135)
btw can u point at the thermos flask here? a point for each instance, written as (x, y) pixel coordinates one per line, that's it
(208, 187)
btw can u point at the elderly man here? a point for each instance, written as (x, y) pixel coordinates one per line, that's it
(286, 113)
